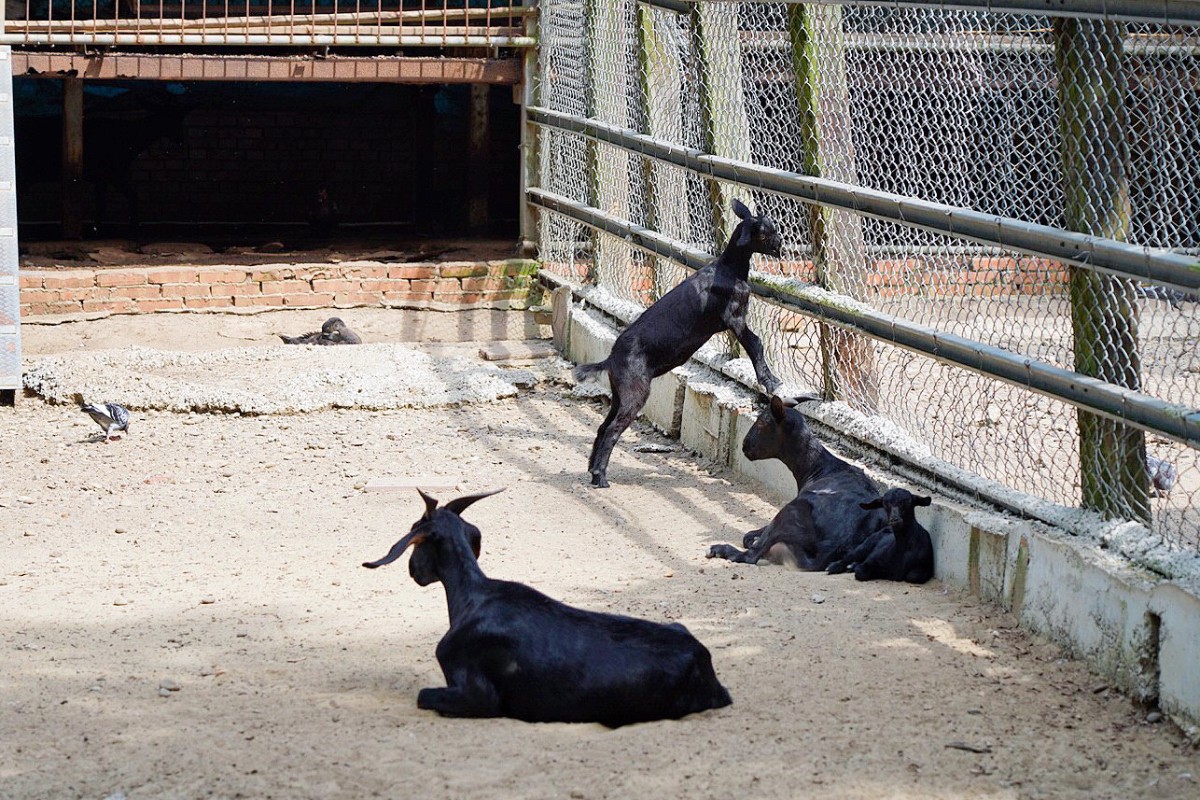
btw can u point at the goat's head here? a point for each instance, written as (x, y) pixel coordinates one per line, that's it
(435, 532)
(898, 505)
(776, 430)
(756, 233)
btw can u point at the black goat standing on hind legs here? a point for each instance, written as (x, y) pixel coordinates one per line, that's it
(668, 333)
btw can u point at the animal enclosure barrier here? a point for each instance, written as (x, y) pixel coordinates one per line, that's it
(383, 23)
(989, 215)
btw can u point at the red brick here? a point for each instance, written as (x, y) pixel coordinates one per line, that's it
(334, 285)
(38, 309)
(136, 292)
(207, 302)
(109, 305)
(39, 296)
(159, 304)
(427, 286)
(407, 297)
(172, 275)
(223, 275)
(410, 272)
(244, 301)
(356, 298)
(384, 286)
(30, 280)
(271, 274)
(70, 280)
(182, 290)
(366, 272)
(308, 299)
(494, 283)
(1002, 263)
(238, 290)
(289, 286)
(89, 293)
(121, 277)
(463, 270)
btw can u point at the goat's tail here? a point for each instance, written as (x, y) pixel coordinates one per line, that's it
(586, 371)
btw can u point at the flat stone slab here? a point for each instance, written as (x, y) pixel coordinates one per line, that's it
(507, 351)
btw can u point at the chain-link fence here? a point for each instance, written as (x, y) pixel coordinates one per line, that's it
(847, 123)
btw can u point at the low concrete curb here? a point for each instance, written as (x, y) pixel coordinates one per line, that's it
(1138, 631)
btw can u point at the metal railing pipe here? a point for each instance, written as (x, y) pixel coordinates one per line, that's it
(1177, 422)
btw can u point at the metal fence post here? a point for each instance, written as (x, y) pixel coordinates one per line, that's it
(726, 126)
(1095, 154)
(661, 81)
(610, 179)
(530, 172)
(827, 150)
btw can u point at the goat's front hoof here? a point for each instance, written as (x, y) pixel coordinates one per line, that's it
(750, 539)
(861, 574)
(599, 480)
(836, 568)
(726, 551)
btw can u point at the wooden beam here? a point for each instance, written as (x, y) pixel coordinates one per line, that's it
(291, 69)
(72, 159)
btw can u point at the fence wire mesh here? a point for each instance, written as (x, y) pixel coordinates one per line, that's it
(1086, 125)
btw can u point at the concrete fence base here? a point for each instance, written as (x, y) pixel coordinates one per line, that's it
(1138, 631)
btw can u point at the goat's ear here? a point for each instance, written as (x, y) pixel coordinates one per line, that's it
(740, 209)
(745, 233)
(459, 504)
(918, 500)
(430, 504)
(876, 503)
(777, 408)
(414, 538)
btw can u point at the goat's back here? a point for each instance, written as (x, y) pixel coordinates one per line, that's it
(551, 662)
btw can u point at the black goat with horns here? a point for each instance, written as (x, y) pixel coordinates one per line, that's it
(513, 652)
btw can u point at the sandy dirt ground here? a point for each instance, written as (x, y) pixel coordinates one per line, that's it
(185, 616)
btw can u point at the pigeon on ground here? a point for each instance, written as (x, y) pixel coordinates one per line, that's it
(110, 416)
(1162, 475)
(334, 331)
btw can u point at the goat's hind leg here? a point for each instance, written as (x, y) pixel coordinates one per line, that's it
(628, 398)
(469, 696)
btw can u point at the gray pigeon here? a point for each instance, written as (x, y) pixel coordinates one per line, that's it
(110, 416)
(334, 331)
(1162, 474)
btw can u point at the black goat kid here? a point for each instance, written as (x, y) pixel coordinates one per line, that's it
(513, 652)
(902, 551)
(668, 333)
(827, 519)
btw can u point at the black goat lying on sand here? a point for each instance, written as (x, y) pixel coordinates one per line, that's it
(827, 519)
(669, 332)
(513, 652)
(902, 551)
(334, 331)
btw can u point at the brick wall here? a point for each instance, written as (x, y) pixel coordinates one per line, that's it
(138, 290)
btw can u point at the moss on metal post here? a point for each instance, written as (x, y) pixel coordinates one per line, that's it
(838, 253)
(1095, 156)
(661, 73)
(726, 125)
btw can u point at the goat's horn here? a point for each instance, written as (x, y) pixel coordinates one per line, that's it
(430, 504)
(459, 504)
(413, 538)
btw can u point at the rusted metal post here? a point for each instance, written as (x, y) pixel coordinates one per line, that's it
(72, 158)
(1095, 154)
(838, 252)
(530, 176)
